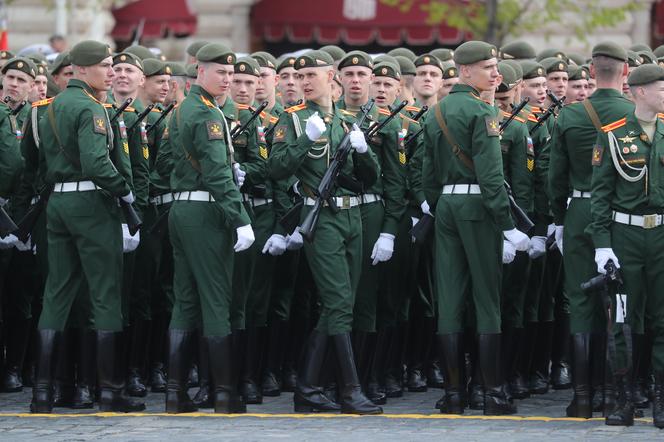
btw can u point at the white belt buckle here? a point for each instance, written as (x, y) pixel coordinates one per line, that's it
(649, 221)
(345, 202)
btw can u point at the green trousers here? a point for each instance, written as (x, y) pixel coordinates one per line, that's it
(468, 260)
(146, 269)
(515, 286)
(203, 260)
(84, 245)
(579, 262)
(283, 284)
(335, 260)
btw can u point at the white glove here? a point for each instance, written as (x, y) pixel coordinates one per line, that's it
(315, 127)
(602, 256)
(425, 208)
(128, 198)
(357, 140)
(519, 239)
(239, 174)
(8, 242)
(275, 245)
(537, 247)
(245, 238)
(295, 188)
(383, 249)
(24, 246)
(559, 238)
(294, 240)
(509, 252)
(129, 243)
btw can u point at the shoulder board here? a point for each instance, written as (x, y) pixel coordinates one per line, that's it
(410, 120)
(273, 119)
(661, 116)
(519, 119)
(412, 108)
(536, 110)
(532, 118)
(615, 125)
(130, 109)
(347, 112)
(242, 106)
(155, 110)
(207, 102)
(297, 107)
(42, 102)
(107, 105)
(384, 111)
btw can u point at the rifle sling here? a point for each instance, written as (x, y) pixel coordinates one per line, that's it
(456, 150)
(587, 105)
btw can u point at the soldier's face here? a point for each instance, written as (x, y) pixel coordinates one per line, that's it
(243, 88)
(99, 76)
(215, 78)
(355, 81)
(556, 82)
(63, 76)
(504, 99)
(128, 78)
(384, 90)
(577, 90)
(315, 83)
(265, 89)
(650, 97)
(157, 87)
(38, 91)
(447, 87)
(482, 75)
(287, 84)
(535, 89)
(428, 80)
(16, 84)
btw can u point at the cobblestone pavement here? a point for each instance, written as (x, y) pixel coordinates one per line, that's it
(411, 418)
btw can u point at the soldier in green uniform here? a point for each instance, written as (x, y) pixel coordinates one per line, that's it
(407, 69)
(517, 50)
(569, 177)
(206, 210)
(193, 49)
(287, 85)
(450, 78)
(62, 70)
(305, 141)
(577, 86)
(626, 207)
(84, 224)
(463, 181)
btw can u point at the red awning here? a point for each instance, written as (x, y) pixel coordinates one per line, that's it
(659, 19)
(161, 18)
(354, 22)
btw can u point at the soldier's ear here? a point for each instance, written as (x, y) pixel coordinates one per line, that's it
(625, 70)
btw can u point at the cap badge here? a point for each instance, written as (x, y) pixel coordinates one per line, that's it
(355, 60)
(243, 68)
(427, 60)
(384, 71)
(303, 62)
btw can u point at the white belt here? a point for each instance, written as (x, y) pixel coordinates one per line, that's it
(196, 195)
(255, 202)
(76, 186)
(580, 194)
(462, 189)
(342, 202)
(367, 198)
(162, 199)
(644, 221)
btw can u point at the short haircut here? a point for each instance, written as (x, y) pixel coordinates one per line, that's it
(607, 68)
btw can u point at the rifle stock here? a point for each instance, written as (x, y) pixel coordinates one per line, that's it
(27, 223)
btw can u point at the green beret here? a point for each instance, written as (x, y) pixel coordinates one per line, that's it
(639, 47)
(356, 58)
(247, 65)
(611, 50)
(265, 60)
(428, 60)
(41, 70)
(129, 58)
(553, 64)
(474, 51)
(647, 56)
(404, 52)
(141, 52)
(193, 48)
(216, 53)
(443, 54)
(551, 53)
(177, 69)
(314, 59)
(449, 70)
(89, 52)
(645, 74)
(634, 59)
(6, 55)
(286, 61)
(61, 61)
(334, 51)
(191, 70)
(578, 59)
(659, 51)
(519, 50)
(37, 58)
(152, 67)
(516, 66)
(21, 64)
(387, 69)
(510, 78)
(382, 58)
(532, 69)
(576, 73)
(406, 65)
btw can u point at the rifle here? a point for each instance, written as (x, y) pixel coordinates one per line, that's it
(422, 111)
(7, 225)
(421, 229)
(328, 184)
(291, 218)
(373, 130)
(239, 129)
(165, 112)
(521, 219)
(515, 112)
(121, 109)
(27, 223)
(140, 118)
(555, 103)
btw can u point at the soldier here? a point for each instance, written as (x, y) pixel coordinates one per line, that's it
(193, 49)
(39, 86)
(450, 78)
(569, 177)
(464, 183)
(287, 82)
(176, 85)
(428, 80)
(206, 209)
(517, 50)
(62, 70)
(556, 76)
(577, 86)
(303, 144)
(84, 225)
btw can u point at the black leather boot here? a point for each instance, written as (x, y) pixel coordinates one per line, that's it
(276, 335)
(65, 373)
(17, 345)
(138, 349)
(450, 349)
(539, 375)
(179, 360)
(581, 405)
(640, 363)
(560, 370)
(517, 382)
(158, 353)
(42, 392)
(417, 346)
(224, 376)
(308, 395)
(527, 354)
(364, 349)
(85, 368)
(623, 414)
(249, 388)
(393, 367)
(111, 372)
(352, 400)
(658, 401)
(496, 400)
(203, 398)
